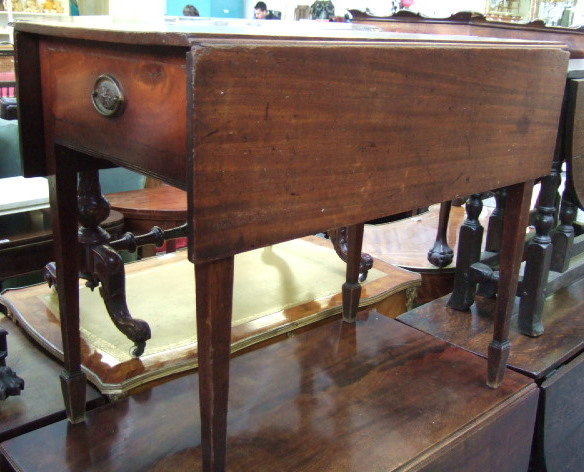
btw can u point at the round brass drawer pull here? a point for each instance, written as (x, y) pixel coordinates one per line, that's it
(107, 96)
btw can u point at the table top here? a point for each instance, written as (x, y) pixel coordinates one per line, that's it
(156, 203)
(533, 356)
(268, 129)
(329, 399)
(40, 402)
(184, 31)
(475, 24)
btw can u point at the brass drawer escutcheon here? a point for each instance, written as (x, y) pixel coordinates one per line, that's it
(107, 96)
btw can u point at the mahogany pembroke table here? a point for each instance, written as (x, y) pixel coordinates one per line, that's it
(277, 131)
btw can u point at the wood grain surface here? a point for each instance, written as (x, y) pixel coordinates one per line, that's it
(374, 396)
(563, 338)
(395, 147)
(41, 401)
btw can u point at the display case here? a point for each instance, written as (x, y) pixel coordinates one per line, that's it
(15, 9)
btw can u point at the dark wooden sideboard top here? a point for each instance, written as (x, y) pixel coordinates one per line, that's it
(475, 24)
(277, 132)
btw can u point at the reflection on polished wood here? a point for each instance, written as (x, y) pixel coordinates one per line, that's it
(535, 357)
(405, 243)
(163, 206)
(391, 292)
(372, 396)
(287, 160)
(41, 402)
(555, 360)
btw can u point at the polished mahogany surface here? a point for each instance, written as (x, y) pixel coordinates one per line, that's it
(277, 132)
(165, 204)
(555, 360)
(475, 24)
(41, 402)
(534, 356)
(373, 396)
(285, 160)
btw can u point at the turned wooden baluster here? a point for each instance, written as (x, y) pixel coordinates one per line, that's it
(100, 264)
(495, 228)
(563, 236)
(538, 258)
(441, 254)
(469, 252)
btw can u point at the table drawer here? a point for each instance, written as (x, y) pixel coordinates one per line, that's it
(147, 132)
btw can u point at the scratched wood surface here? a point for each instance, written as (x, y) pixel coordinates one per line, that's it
(411, 125)
(413, 121)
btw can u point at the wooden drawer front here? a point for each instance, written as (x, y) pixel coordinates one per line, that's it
(150, 131)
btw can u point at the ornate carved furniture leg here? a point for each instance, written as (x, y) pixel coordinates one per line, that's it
(441, 254)
(537, 261)
(214, 292)
(10, 383)
(352, 287)
(469, 252)
(495, 229)
(563, 235)
(338, 237)
(108, 268)
(101, 264)
(512, 243)
(63, 196)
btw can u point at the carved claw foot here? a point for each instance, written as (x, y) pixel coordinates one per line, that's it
(109, 270)
(10, 383)
(440, 255)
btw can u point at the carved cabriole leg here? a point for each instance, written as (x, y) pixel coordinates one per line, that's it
(441, 254)
(512, 243)
(338, 237)
(352, 287)
(537, 261)
(63, 196)
(101, 264)
(469, 252)
(495, 229)
(109, 270)
(563, 236)
(214, 291)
